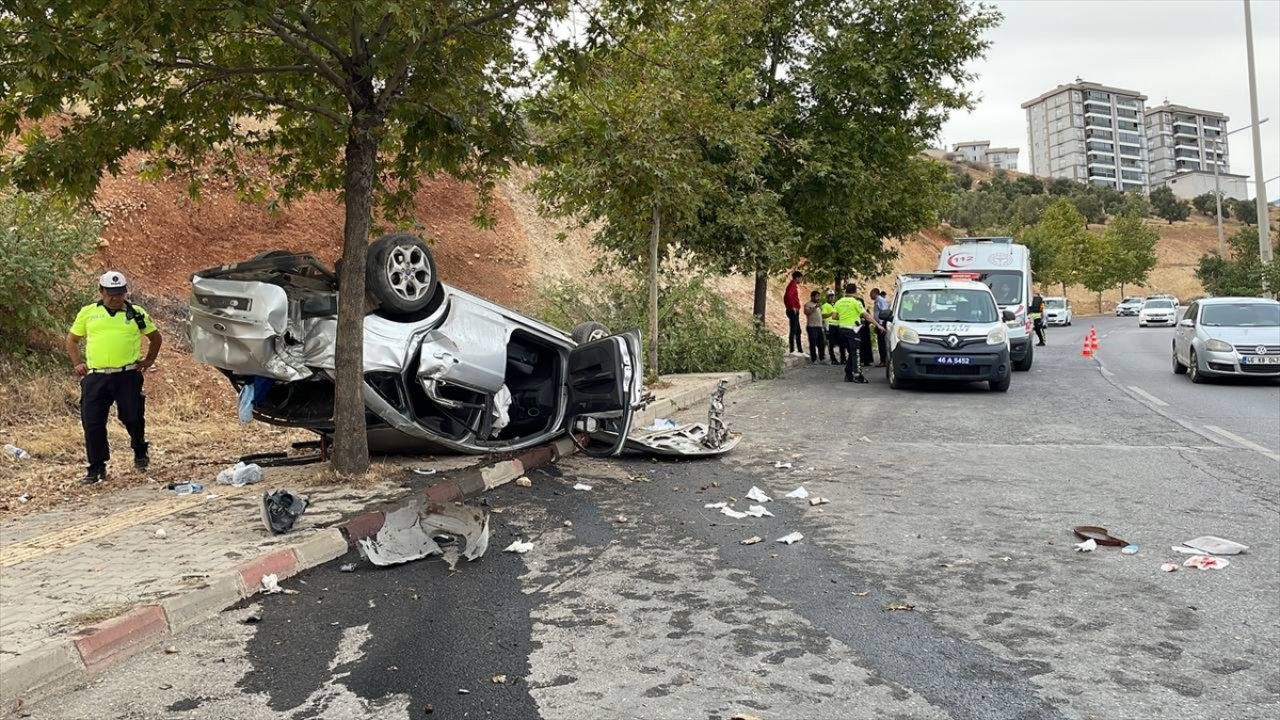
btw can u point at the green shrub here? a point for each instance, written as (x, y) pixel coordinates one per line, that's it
(696, 330)
(43, 242)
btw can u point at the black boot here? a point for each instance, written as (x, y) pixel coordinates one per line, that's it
(141, 458)
(860, 379)
(93, 477)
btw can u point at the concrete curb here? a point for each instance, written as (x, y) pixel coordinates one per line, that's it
(67, 662)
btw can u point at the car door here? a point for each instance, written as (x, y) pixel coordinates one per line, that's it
(604, 384)
(1184, 334)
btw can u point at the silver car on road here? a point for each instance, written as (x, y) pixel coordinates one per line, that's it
(1228, 336)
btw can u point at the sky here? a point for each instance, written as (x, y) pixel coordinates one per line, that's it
(1191, 52)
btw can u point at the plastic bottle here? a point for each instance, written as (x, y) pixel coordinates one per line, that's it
(17, 452)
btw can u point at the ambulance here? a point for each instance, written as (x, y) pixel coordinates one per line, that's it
(1005, 267)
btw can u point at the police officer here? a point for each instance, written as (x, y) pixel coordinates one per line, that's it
(1036, 309)
(111, 371)
(851, 315)
(834, 338)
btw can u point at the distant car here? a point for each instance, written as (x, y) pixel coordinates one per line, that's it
(1165, 296)
(1129, 306)
(1158, 311)
(1228, 336)
(1057, 311)
(444, 370)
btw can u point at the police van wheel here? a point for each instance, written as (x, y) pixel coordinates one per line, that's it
(1024, 364)
(891, 375)
(1000, 385)
(401, 273)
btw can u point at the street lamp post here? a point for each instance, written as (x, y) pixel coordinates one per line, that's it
(1264, 220)
(1217, 188)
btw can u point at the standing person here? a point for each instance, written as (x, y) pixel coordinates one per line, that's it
(111, 372)
(851, 315)
(1036, 310)
(881, 303)
(813, 325)
(791, 300)
(864, 339)
(831, 320)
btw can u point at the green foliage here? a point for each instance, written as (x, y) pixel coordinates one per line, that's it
(1030, 185)
(1129, 251)
(961, 179)
(1090, 206)
(699, 331)
(1242, 273)
(1168, 206)
(1206, 204)
(1062, 250)
(1246, 211)
(1135, 203)
(43, 244)
(1063, 186)
(1028, 209)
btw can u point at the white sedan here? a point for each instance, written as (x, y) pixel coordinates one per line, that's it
(1158, 311)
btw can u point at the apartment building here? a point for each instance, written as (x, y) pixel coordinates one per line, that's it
(1180, 138)
(1090, 133)
(980, 151)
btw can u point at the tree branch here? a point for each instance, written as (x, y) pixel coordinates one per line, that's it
(226, 71)
(337, 119)
(282, 31)
(485, 19)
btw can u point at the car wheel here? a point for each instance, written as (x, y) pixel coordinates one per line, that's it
(891, 375)
(589, 332)
(1000, 385)
(401, 273)
(1024, 364)
(1193, 369)
(1178, 367)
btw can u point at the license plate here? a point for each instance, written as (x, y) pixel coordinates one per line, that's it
(1274, 360)
(953, 360)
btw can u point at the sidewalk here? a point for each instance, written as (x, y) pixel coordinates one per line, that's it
(83, 588)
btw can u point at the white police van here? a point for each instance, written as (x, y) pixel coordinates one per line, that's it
(944, 328)
(1005, 267)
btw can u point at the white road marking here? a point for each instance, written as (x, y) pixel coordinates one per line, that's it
(1150, 398)
(1107, 372)
(1245, 443)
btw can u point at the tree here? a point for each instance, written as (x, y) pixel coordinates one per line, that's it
(1130, 251)
(358, 97)
(1068, 253)
(962, 179)
(976, 211)
(1206, 204)
(1028, 209)
(1168, 206)
(643, 132)
(1030, 185)
(1243, 272)
(1061, 186)
(1246, 211)
(1135, 203)
(1090, 208)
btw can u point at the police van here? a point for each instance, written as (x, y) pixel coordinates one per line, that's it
(1005, 267)
(945, 328)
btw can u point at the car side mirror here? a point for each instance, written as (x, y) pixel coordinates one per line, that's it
(1188, 322)
(885, 315)
(1008, 316)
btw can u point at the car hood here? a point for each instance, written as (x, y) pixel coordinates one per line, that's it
(1247, 336)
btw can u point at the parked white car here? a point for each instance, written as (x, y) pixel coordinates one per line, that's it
(1057, 311)
(1158, 311)
(1129, 306)
(1228, 336)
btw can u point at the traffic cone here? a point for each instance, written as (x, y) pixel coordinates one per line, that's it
(1093, 337)
(1087, 350)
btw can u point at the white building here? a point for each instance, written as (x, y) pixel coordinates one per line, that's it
(1090, 133)
(1183, 139)
(1188, 184)
(980, 151)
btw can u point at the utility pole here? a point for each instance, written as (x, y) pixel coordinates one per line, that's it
(1264, 220)
(1217, 189)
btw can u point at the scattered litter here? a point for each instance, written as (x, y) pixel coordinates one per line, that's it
(161, 533)
(818, 501)
(347, 567)
(372, 604)
(499, 679)
(864, 438)
(428, 709)
(187, 488)
(271, 584)
(620, 518)
(411, 533)
(750, 541)
(1205, 562)
(497, 510)
(662, 424)
(715, 505)
(523, 481)
(1129, 549)
(1169, 567)
(171, 650)
(519, 546)
(758, 511)
(582, 486)
(1213, 545)
(799, 492)
(1087, 546)
(732, 513)
(281, 509)
(17, 452)
(239, 475)
(425, 471)
(252, 619)
(791, 538)
(758, 495)
(568, 523)
(463, 691)
(1183, 549)
(746, 717)
(23, 498)
(780, 465)
(1098, 535)
(212, 496)
(244, 408)
(906, 607)
(864, 593)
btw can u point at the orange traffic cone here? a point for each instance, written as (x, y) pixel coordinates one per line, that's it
(1093, 337)
(1087, 350)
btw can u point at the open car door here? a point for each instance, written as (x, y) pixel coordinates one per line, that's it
(604, 385)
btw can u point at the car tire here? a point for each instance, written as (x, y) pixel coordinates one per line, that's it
(1024, 364)
(589, 331)
(1193, 369)
(1000, 385)
(891, 376)
(401, 273)
(1178, 367)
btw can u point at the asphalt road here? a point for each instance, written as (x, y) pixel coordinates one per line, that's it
(954, 502)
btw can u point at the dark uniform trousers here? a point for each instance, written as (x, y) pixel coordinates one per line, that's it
(864, 345)
(817, 344)
(97, 392)
(835, 340)
(851, 335)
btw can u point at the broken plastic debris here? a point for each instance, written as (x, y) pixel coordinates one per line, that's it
(1183, 549)
(171, 650)
(582, 486)
(281, 509)
(187, 488)
(347, 567)
(1213, 545)
(523, 481)
(1087, 546)
(1169, 567)
(906, 607)
(463, 691)
(1129, 549)
(864, 593)
(758, 511)
(750, 541)
(160, 533)
(519, 546)
(780, 465)
(791, 538)
(864, 438)
(818, 501)
(240, 474)
(499, 679)
(568, 523)
(758, 495)
(732, 513)
(715, 505)
(799, 492)
(271, 584)
(408, 534)
(662, 424)
(425, 471)
(1205, 562)
(620, 518)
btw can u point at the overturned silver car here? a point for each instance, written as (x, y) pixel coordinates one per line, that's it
(444, 370)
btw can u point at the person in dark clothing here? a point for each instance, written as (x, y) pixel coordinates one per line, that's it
(864, 342)
(813, 327)
(880, 303)
(852, 314)
(1036, 310)
(791, 300)
(835, 341)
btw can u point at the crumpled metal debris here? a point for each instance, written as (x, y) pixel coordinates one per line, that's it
(281, 509)
(717, 430)
(410, 534)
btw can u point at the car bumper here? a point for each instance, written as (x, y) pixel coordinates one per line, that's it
(1055, 321)
(1224, 364)
(1157, 320)
(920, 362)
(1126, 313)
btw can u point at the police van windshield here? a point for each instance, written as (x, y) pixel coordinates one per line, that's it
(947, 305)
(1006, 285)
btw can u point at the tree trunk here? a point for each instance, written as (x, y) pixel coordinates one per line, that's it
(351, 446)
(1121, 292)
(1099, 302)
(760, 297)
(1064, 289)
(653, 291)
